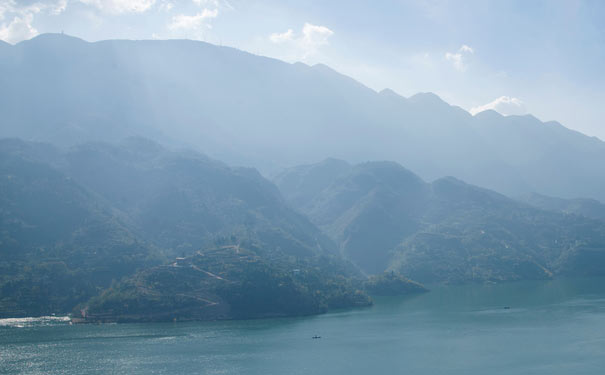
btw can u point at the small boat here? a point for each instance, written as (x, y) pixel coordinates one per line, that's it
(316, 337)
(506, 307)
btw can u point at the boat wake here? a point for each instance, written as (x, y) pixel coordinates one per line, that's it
(37, 321)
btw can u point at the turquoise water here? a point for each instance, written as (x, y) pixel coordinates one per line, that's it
(551, 327)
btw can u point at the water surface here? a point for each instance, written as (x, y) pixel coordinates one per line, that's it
(545, 327)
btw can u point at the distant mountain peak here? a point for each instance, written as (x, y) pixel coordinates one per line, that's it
(488, 114)
(427, 98)
(258, 111)
(300, 63)
(334, 161)
(53, 37)
(383, 164)
(452, 180)
(457, 183)
(391, 94)
(142, 145)
(528, 116)
(323, 67)
(326, 72)
(389, 172)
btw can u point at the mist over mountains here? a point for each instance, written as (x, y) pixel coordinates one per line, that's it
(111, 209)
(76, 222)
(580, 206)
(256, 111)
(385, 217)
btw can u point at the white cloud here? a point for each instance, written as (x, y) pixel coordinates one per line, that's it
(53, 7)
(20, 28)
(59, 7)
(195, 22)
(466, 48)
(166, 6)
(204, 3)
(458, 59)
(504, 105)
(18, 17)
(4, 8)
(217, 4)
(282, 37)
(307, 43)
(121, 6)
(315, 36)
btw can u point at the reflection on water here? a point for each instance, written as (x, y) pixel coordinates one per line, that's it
(542, 327)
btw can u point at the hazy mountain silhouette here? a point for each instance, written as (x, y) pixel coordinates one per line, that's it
(580, 206)
(75, 221)
(185, 200)
(60, 244)
(256, 111)
(386, 218)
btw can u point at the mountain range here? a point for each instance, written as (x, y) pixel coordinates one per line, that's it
(384, 217)
(261, 112)
(77, 222)
(580, 206)
(133, 231)
(120, 201)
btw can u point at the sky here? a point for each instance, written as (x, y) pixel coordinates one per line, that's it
(544, 57)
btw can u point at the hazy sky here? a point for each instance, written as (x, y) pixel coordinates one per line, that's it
(543, 57)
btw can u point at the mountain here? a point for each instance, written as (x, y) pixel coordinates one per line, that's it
(184, 200)
(222, 283)
(256, 111)
(579, 206)
(301, 184)
(387, 218)
(59, 243)
(392, 284)
(80, 220)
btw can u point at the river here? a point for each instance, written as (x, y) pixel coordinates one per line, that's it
(534, 327)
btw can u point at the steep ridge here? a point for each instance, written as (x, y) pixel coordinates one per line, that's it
(75, 222)
(60, 244)
(386, 218)
(579, 206)
(256, 111)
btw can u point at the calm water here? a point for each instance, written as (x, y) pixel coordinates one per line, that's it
(554, 327)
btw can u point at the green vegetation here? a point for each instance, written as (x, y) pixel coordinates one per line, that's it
(392, 284)
(580, 206)
(99, 227)
(59, 244)
(75, 223)
(386, 218)
(223, 283)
